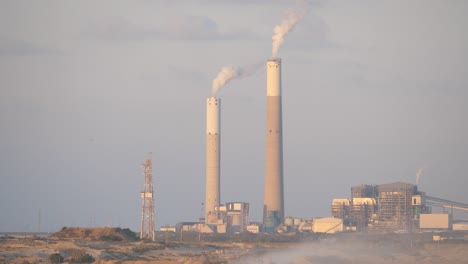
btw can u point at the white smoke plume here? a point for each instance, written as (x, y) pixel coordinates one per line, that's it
(282, 29)
(228, 73)
(419, 174)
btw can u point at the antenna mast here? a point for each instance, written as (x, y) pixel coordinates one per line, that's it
(147, 198)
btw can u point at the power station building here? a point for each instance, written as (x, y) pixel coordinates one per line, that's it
(273, 212)
(392, 207)
(233, 217)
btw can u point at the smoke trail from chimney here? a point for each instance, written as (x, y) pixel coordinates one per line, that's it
(228, 73)
(282, 29)
(419, 173)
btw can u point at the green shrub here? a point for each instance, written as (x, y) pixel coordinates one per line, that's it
(110, 238)
(129, 233)
(79, 256)
(84, 258)
(87, 258)
(56, 258)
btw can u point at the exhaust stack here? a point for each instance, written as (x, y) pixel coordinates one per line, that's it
(213, 137)
(273, 212)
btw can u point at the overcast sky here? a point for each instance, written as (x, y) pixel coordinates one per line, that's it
(372, 91)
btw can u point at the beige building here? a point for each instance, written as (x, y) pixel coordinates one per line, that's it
(327, 225)
(435, 221)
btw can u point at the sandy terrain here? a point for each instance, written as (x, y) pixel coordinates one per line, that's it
(38, 250)
(346, 248)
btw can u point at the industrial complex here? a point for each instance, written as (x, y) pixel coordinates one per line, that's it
(388, 208)
(233, 216)
(392, 207)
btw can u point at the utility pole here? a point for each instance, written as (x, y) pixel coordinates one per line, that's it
(200, 221)
(147, 198)
(39, 221)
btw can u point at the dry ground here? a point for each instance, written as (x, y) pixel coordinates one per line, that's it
(336, 249)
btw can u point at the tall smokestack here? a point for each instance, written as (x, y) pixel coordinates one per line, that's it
(213, 137)
(273, 212)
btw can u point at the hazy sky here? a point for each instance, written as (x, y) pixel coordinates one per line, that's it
(372, 91)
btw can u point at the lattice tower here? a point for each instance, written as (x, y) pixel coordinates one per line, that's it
(147, 207)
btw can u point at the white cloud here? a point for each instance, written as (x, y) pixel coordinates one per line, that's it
(190, 27)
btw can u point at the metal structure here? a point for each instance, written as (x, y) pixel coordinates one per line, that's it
(213, 138)
(395, 210)
(357, 212)
(340, 208)
(391, 207)
(361, 212)
(446, 204)
(147, 207)
(235, 215)
(273, 212)
(363, 191)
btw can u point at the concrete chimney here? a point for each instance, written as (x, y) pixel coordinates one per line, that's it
(213, 137)
(273, 212)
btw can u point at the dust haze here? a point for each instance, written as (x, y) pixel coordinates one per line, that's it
(365, 248)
